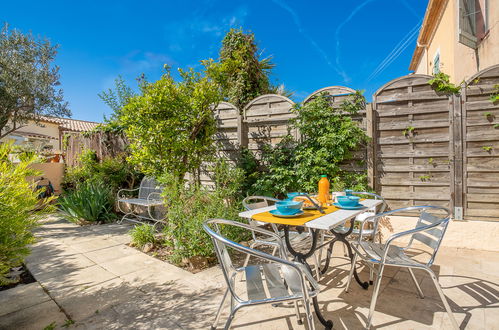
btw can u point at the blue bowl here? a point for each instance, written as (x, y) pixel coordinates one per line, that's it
(348, 200)
(288, 207)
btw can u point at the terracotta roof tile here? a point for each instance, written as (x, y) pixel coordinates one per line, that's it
(74, 125)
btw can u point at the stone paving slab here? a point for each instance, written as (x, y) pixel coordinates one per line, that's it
(36, 317)
(21, 297)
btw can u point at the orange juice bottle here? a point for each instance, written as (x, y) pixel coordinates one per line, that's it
(323, 195)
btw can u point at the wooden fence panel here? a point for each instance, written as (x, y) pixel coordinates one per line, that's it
(226, 139)
(104, 144)
(481, 145)
(266, 121)
(412, 150)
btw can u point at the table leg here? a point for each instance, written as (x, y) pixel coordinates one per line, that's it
(302, 257)
(341, 237)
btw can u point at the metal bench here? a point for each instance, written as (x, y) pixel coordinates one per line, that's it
(149, 197)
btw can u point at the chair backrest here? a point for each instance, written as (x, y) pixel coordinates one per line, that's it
(256, 202)
(148, 185)
(382, 207)
(431, 237)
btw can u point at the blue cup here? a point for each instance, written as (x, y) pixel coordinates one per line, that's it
(348, 192)
(288, 207)
(348, 201)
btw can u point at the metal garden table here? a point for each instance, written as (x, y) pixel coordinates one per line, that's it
(321, 222)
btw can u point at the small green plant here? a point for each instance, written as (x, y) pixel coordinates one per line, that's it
(441, 83)
(68, 323)
(89, 202)
(487, 148)
(496, 126)
(409, 131)
(51, 326)
(431, 161)
(425, 178)
(143, 234)
(494, 97)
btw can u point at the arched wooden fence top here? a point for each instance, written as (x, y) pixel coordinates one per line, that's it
(273, 104)
(334, 91)
(490, 72)
(267, 121)
(404, 81)
(480, 147)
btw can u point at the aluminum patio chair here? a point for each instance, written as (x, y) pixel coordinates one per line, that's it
(430, 229)
(370, 232)
(278, 280)
(256, 202)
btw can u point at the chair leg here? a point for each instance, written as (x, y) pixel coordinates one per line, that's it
(374, 298)
(352, 269)
(217, 317)
(443, 298)
(308, 313)
(297, 310)
(274, 250)
(345, 253)
(420, 292)
(317, 266)
(231, 317)
(371, 275)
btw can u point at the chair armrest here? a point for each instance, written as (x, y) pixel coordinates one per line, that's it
(409, 232)
(118, 194)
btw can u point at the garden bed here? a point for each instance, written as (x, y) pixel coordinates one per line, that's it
(20, 275)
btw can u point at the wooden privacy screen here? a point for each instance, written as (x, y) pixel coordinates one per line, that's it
(481, 145)
(226, 139)
(104, 144)
(266, 121)
(412, 150)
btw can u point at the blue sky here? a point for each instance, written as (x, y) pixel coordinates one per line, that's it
(314, 44)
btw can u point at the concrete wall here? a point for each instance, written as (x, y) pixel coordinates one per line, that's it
(472, 234)
(52, 171)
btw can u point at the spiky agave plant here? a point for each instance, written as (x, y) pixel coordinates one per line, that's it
(89, 202)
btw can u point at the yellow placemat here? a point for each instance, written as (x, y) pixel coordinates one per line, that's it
(297, 221)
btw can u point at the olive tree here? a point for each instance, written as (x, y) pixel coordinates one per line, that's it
(28, 80)
(171, 124)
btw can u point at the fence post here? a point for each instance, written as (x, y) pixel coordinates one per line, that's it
(242, 134)
(457, 154)
(371, 146)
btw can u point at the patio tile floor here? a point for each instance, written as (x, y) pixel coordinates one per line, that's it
(100, 283)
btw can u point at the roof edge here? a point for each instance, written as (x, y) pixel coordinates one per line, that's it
(433, 15)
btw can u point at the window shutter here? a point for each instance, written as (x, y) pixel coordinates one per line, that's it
(467, 23)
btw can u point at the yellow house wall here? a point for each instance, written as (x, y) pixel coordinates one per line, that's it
(443, 42)
(45, 128)
(456, 59)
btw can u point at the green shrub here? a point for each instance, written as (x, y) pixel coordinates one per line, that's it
(143, 234)
(18, 200)
(116, 172)
(188, 206)
(328, 139)
(89, 202)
